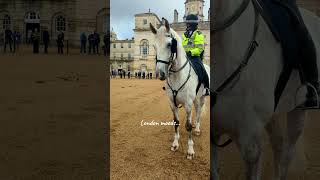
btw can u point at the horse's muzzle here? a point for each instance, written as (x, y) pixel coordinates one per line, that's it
(162, 78)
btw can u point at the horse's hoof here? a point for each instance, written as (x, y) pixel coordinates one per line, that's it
(190, 156)
(197, 133)
(174, 148)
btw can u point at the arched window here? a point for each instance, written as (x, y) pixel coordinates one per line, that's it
(6, 22)
(60, 23)
(144, 48)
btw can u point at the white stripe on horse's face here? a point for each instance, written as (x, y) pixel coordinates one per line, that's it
(163, 51)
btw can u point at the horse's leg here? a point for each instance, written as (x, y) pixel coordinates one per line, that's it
(214, 163)
(188, 108)
(283, 140)
(175, 143)
(250, 145)
(198, 106)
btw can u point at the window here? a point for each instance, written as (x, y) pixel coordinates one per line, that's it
(121, 45)
(129, 55)
(121, 56)
(145, 21)
(32, 15)
(114, 45)
(144, 48)
(60, 23)
(6, 22)
(129, 45)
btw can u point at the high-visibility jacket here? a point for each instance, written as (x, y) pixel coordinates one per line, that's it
(195, 43)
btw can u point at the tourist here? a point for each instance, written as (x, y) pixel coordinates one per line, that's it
(83, 41)
(96, 43)
(150, 75)
(105, 39)
(29, 36)
(8, 39)
(18, 40)
(91, 43)
(14, 34)
(35, 36)
(46, 39)
(60, 42)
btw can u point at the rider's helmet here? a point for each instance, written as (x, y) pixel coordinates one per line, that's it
(192, 20)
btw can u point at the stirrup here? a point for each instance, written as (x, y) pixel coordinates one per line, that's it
(306, 108)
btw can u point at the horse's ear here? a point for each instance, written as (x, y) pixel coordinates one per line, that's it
(154, 31)
(166, 24)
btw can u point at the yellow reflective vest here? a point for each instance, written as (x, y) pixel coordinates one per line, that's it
(195, 43)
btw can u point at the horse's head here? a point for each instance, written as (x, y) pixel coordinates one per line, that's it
(166, 48)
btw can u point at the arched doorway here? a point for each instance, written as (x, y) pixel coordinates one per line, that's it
(32, 22)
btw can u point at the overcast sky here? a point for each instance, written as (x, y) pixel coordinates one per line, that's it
(123, 11)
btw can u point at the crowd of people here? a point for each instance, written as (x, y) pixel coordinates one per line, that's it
(13, 40)
(138, 75)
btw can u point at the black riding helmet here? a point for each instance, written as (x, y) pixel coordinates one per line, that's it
(192, 20)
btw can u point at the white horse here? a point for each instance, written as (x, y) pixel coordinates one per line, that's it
(245, 109)
(181, 81)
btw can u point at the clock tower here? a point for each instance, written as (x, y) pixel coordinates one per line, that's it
(194, 7)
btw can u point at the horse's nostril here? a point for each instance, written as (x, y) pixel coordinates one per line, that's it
(162, 74)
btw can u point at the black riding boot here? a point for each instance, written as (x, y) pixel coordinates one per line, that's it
(310, 72)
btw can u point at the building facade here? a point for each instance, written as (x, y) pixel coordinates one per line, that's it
(142, 52)
(69, 16)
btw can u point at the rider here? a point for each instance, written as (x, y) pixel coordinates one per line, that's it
(193, 44)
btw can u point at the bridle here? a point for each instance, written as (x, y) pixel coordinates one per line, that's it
(170, 63)
(248, 53)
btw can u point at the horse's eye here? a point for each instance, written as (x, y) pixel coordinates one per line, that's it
(168, 35)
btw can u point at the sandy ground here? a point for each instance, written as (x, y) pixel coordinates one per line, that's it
(143, 152)
(52, 111)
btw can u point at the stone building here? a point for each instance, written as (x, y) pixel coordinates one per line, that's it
(70, 16)
(142, 44)
(121, 53)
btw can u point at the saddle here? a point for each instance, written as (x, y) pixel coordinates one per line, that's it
(286, 24)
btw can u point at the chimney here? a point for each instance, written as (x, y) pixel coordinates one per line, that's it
(175, 20)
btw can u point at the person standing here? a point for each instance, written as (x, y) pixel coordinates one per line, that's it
(60, 42)
(35, 36)
(91, 43)
(14, 34)
(8, 39)
(46, 39)
(96, 41)
(105, 39)
(18, 40)
(29, 36)
(83, 41)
